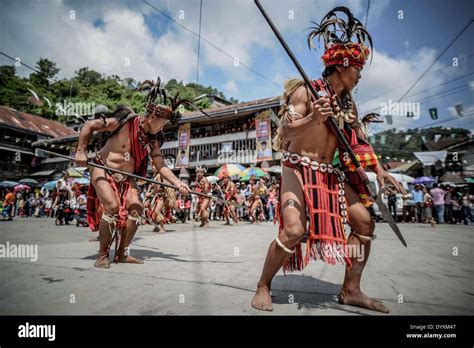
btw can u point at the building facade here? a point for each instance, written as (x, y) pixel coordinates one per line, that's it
(18, 132)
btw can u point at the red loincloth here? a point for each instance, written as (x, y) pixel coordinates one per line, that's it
(95, 209)
(327, 210)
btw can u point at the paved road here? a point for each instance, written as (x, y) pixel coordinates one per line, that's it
(214, 271)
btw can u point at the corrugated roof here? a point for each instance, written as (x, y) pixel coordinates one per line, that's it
(216, 112)
(234, 107)
(33, 123)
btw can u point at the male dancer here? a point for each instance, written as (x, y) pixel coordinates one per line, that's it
(255, 202)
(114, 207)
(203, 186)
(230, 191)
(154, 202)
(310, 182)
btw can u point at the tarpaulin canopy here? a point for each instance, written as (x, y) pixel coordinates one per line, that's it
(429, 158)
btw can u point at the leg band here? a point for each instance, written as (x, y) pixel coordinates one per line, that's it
(111, 220)
(289, 251)
(366, 238)
(139, 220)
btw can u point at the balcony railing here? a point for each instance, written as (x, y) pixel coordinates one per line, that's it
(15, 168)
(212, 151)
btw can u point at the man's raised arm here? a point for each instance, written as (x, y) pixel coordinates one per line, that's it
(105, 125)
(298, 116)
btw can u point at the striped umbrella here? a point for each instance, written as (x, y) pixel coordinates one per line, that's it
(252, 171)
(229, 169)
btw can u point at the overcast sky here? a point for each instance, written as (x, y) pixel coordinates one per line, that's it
(131, 39)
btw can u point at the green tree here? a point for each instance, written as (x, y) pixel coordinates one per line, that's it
(88, 77)
(47, 71)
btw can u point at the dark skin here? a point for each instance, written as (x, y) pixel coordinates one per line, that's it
(117, 154)
(320, 148)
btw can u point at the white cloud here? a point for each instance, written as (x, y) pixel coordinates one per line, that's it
(231, 88)
(123, 45)
(388, 78)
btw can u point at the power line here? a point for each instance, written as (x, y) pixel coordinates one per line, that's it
(26, 65)
(448, 120)
(400, 86)
(367, 14)
(446, 93)
(356, 92)
(442, 94)
(212, 44)
(442, 84)
(199, 42)
(439, 56)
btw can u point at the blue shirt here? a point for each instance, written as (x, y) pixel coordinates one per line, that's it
(417, 196)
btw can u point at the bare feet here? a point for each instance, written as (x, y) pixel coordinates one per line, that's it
(128, 259)
(359, 299)
(102, 261)
(262, 299)
(159, 230)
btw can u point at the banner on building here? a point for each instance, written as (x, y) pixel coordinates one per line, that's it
(263, 128)
(184, 138)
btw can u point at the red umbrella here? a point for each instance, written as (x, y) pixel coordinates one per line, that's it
(21, 187)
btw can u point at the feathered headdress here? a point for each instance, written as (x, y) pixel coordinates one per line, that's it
(367, 119)
(202, 168)
(338, 35)
(157, 99)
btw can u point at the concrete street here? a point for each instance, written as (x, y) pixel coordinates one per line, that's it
(215, 271)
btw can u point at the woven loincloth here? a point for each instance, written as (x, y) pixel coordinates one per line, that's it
(95, 209)
(323, 188)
